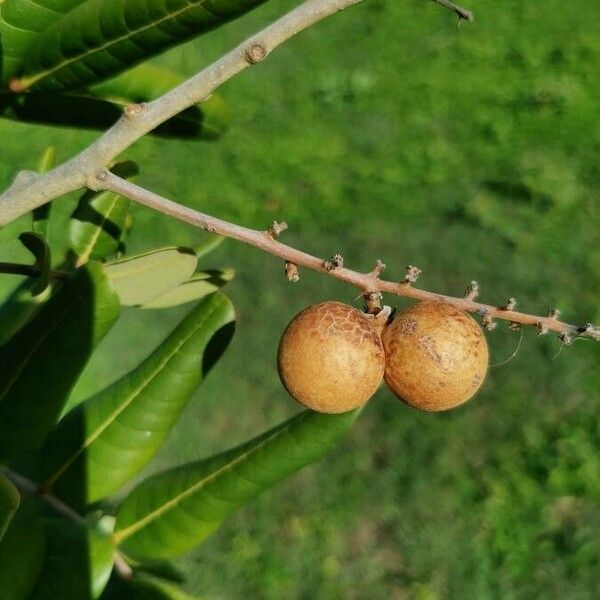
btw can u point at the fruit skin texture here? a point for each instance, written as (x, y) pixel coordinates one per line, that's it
(436, 356)
(331, 357)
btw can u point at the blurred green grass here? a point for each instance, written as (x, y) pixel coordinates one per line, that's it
(387, 132)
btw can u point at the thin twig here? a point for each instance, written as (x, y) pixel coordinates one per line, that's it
(368, 282)
(30, 190)
(27, 486)
(462, 13)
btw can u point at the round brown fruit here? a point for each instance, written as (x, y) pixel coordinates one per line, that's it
(331, 357)
(436, 356)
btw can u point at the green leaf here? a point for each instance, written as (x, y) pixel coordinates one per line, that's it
(144, 587)
(208, 244)
(22, 552)
(142, 278)
(74, 51)
(9, 503)
(86, 110)
(77, 562)
(98, 223)
(21, 22)
(19, 308)
(163, 569)
(171, 512)
(200, 284)
(38, 246)
(79, 109)
(41, 214)
(104, 442)
(43, 360)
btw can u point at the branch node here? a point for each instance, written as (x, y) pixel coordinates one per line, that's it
(132, 111)
(256, 53)
(542, 328)
(554, 314)
(566, 338)
(487, 321)
(510, 305)
(44, 489)
(373, 302)
(291, 271)
(462, 13)
(94, 182)
(472, 291)
(378, 269)
(587, 330)
(412, 274)
(276, 229)
(335, 262)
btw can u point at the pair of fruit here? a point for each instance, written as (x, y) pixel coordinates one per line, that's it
(332, 357)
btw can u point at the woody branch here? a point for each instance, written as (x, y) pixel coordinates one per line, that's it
(369, 283)
(30, 190)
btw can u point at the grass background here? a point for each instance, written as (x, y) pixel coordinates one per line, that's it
(387, 132)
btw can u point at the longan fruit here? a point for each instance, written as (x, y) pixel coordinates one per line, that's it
(436, 356)
(331, 357)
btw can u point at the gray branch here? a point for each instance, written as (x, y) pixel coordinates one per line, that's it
(30, 190)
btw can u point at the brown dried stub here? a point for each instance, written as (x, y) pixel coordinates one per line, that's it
(331, 357)
(436, 356)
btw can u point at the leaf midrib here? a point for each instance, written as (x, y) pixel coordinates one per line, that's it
(123, 534)
(91, 438)
(27, 82)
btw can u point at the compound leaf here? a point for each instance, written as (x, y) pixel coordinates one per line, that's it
(40, 364)
(142, 278)
(173, 511)
(104, 442)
